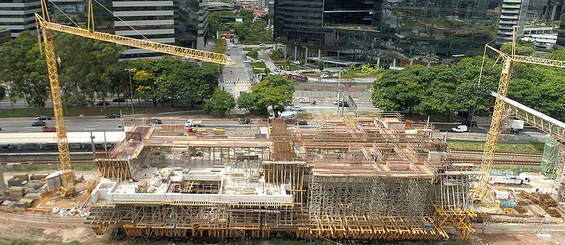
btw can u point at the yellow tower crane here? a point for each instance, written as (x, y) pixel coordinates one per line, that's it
(481, 189)
(48, 28)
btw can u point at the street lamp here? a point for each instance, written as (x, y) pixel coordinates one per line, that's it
(130, 90)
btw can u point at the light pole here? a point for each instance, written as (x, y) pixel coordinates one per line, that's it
(130, 90)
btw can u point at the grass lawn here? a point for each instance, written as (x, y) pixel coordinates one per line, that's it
(353, 74)
(259, 65)
(284, 66)
(312, 73)
(89, 111)
(501, 147)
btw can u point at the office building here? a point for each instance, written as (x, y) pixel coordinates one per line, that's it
(191, 24)
(18, 15)
(345, 32)
(153, 20)
(561, 32)
(5, 36)
(513, 13)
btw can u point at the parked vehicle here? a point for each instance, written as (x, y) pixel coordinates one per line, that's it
(156, 121)
(193, 123)
(101, 103)
(302, 122)
(41, 118)
(114, 115)
(460, 129)
(49, 129)
(118, 100)
(38, 123)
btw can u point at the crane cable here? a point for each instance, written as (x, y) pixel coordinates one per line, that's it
(63, 12)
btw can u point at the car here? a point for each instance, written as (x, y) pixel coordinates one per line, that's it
(38, 123)
(114, 115)
(341, 103)
(336, 74)
(49, 129)
(302, 122)
(460, 129)
(324, 76)
(304, 100)
(101, 103)
(297, 108)
(156, 121)
(41, 118)
(118, 100)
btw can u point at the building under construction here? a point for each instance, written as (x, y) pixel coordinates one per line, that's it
(359, 178)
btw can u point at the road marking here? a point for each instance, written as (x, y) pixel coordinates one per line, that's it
(88, 129)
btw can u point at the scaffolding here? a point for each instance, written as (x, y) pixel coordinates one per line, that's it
(552, 158)
(357, 178)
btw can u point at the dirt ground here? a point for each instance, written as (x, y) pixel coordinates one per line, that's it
(542, 238)
(83, 235)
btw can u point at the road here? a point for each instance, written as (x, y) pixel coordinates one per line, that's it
(238, 78)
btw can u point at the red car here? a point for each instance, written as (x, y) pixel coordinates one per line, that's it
(49, 129)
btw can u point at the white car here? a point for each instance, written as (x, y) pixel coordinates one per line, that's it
(460, 129)
(297, 108)
(304, 100)
(324, 76)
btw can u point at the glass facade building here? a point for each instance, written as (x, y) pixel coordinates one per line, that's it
(18, 15)
(366, 29)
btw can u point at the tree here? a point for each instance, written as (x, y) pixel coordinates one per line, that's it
(24, 67)
(221, 103)
(275, 91)
(2, 92)
(523, 48)
(245, 101)
(321, 65)
(398, 90)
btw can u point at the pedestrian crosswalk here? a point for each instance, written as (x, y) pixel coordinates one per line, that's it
(237, 82)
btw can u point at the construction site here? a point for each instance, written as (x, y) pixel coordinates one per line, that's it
(349, 177)
(361, 178)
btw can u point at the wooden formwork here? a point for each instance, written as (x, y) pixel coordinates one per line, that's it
(116, 169)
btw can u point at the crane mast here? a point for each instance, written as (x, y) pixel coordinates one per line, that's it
(48, 29)
(481, 189)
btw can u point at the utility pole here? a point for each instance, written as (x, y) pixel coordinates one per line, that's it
(130, 90)
(92, 137)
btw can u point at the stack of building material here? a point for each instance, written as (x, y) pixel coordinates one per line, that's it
(18, 180)
(15, 192)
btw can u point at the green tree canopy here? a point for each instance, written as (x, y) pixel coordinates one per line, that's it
(275, 91)
(24, 68)
(221, 103)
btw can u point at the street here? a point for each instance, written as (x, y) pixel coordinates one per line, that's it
(238, 78)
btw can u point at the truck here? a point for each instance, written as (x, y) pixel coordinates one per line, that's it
(516, 126)
(193, 123)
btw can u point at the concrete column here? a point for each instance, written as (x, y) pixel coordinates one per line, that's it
(394, 63)
(338, 54)
(319, 54)
(295, 52)
(284, 49)
(428, 64)
(379, 61)
(411, 62)
(306, 55)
